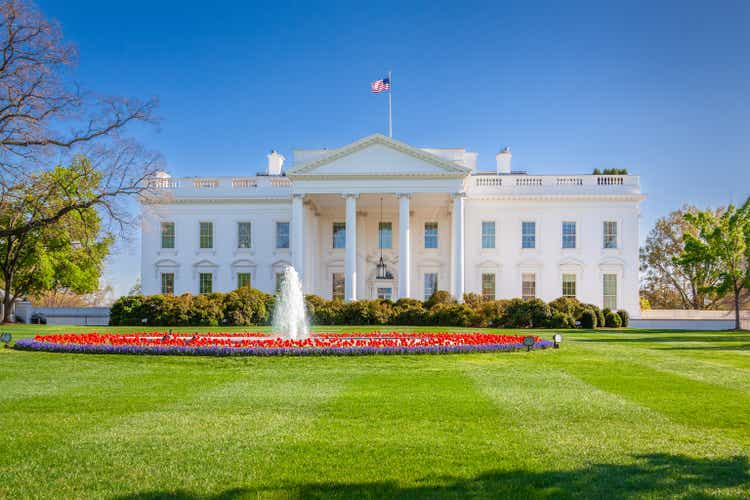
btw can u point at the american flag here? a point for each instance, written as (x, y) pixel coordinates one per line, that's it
(381, 85)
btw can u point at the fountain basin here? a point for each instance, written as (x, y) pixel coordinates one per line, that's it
(259, 344)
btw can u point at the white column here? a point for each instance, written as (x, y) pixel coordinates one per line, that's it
(350, 264)
(404, 247)
(458, 246)
(298, 233)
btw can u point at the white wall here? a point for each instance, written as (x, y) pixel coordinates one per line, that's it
(589, 261)
(188, 260)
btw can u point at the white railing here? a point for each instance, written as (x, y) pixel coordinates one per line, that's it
(244, 182)
(163, 183)
(522, 183)
(222, 186)
(205, 183)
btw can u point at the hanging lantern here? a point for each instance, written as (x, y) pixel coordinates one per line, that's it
(382, 271)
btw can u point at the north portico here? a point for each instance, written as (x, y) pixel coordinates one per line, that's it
(374, 186)
(435, 219)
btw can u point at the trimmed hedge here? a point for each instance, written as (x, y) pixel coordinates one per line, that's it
(247, 306)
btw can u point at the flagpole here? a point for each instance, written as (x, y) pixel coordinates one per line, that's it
(390, 121)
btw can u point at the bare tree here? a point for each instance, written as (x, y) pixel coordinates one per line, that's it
(45, 122)
(42, 120)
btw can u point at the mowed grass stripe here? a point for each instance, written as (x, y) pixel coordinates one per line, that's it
(696, 365)
(711, 407)
(571, 439)
(407, 424)
(211, 427)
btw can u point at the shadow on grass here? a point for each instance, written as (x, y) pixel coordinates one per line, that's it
(651, 475)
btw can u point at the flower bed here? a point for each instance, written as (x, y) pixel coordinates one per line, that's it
(260, 344)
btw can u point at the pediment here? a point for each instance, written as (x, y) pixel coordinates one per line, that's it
(377, 155)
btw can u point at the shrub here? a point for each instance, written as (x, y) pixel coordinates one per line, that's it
(127, 310)
(624, 317)
(245, 306)
(439, 297)
(207, 309)
(567, 305)
(612, 320)
(488, 314)
(409, 312)
(588, 319)
(452, 314)
(520, 313)
(561, 320)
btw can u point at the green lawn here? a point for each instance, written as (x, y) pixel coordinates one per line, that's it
(611, 415)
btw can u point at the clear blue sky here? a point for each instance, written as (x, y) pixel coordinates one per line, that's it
(661, 88)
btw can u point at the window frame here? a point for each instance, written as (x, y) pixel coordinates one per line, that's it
(173, 235)
(574, 235)
(616, 235)
(381, 237)
(563, 283)
(430, 236)
(523, 282)
(435, 287)
(486, 236)
(278, 225)
(249, 275)
(340, 233)
(164, 275)
(524, 236)
(249, 235)
(210, 236)
(605, 295)
(201, 283)
(485, 292)
(335, 277)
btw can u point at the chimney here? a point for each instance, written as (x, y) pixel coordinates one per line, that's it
(275, 161)
(503, 161)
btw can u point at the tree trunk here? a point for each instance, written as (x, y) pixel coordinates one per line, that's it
(736, 309)
(7, 301)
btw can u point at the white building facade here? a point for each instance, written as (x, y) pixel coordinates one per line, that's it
(435, 220)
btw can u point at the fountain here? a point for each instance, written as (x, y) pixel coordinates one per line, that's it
(290, 317)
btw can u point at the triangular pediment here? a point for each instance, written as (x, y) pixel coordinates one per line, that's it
(377, 155)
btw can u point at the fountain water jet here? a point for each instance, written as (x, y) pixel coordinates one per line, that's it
(289, 316)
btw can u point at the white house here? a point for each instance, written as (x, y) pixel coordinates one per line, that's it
(437, 221)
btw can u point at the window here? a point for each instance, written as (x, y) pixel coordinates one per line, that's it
(243, 279)
(528, 285)
(430, 284)
(282, 235)
(385, 235)
(205, 282)
(167, 234)
(339, 235)
(609, 232)
(167, 283)
(569, 285)
(488, 235)
(207, 234)
(244, 234)
(528, 235)
(279, 281)
(430, 234)
(610, 291)
(568, 234)
(385, 293)
(338, 284)
(488, 286)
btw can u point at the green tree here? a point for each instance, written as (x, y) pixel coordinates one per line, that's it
(722, 241)
(67, 254)
(670, 282)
